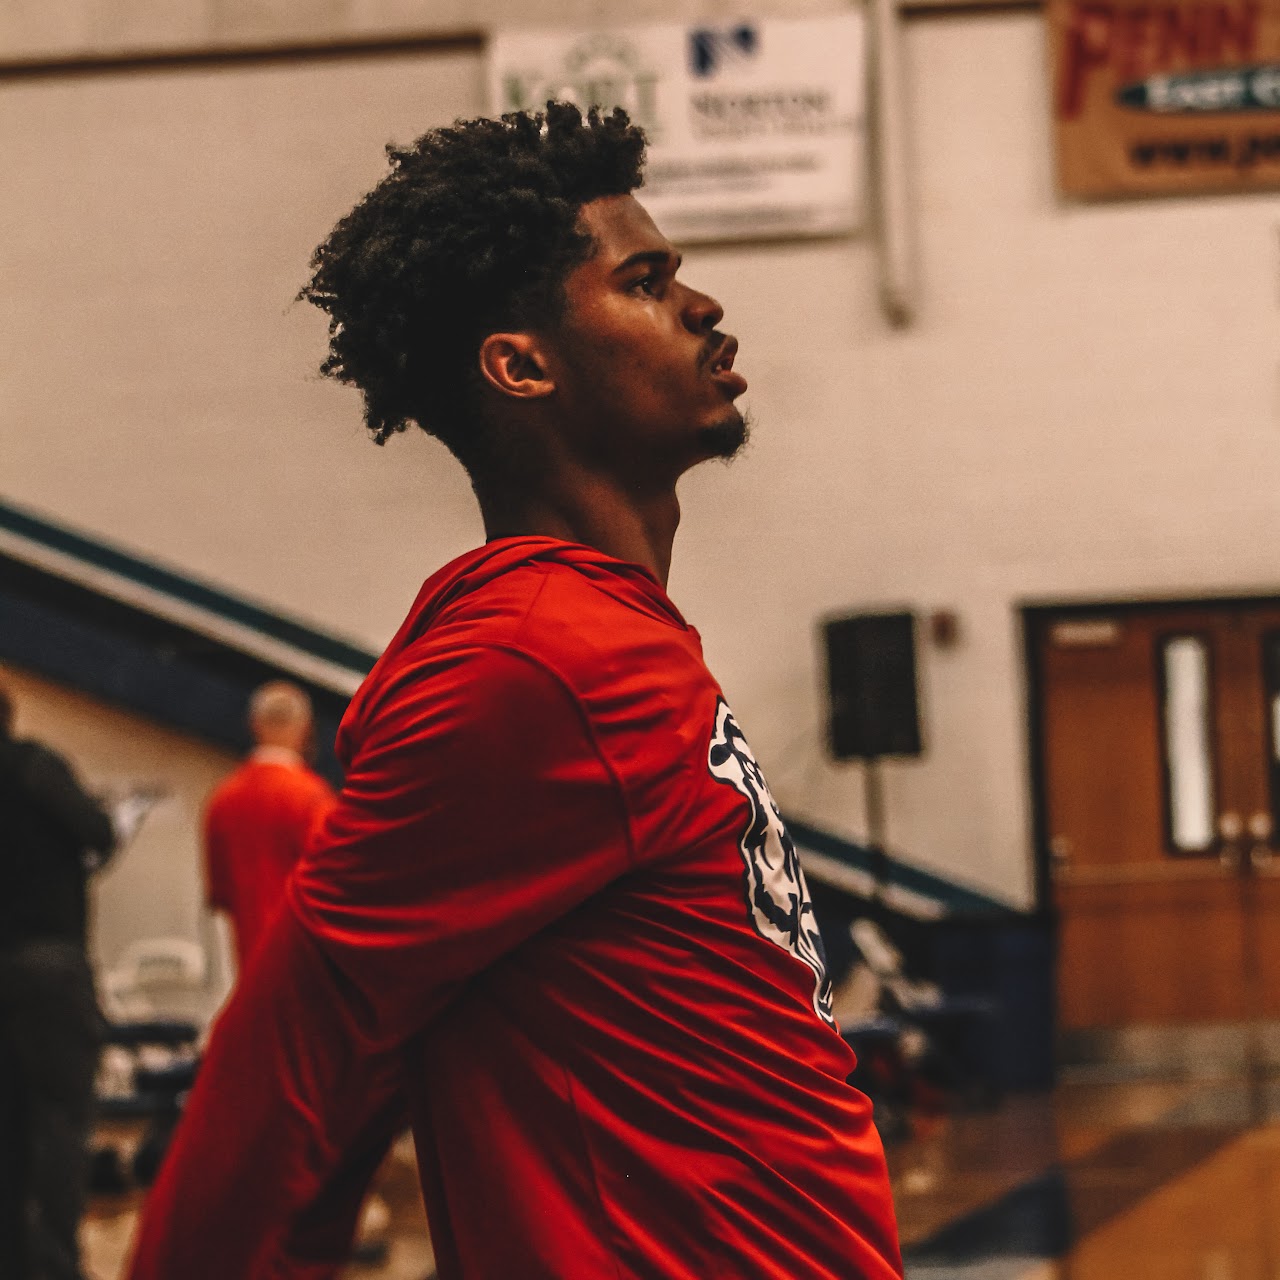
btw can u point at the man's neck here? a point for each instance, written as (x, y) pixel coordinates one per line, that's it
(596, 512)
(275, 753)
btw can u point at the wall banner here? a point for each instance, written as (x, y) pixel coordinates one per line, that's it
(756, 128)
(1165, 96)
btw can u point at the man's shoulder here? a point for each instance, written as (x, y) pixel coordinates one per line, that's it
(227, 788)
(498, 602)
(16, 757)
(256, 791)
(25, 759)
(542, 625)
(25, 750)
(308, 785)
(244, 780)
(557, 614)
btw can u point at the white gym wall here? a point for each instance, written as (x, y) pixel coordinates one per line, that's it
(1086, 406)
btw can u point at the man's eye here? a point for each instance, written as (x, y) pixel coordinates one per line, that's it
(648, 285)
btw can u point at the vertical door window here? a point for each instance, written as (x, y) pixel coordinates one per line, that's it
(1188, 743)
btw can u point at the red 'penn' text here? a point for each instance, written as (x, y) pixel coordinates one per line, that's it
(1133, 41)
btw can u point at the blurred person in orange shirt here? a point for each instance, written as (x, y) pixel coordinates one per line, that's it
(258, 821)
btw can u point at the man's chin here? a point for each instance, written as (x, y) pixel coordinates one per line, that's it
(727, 438)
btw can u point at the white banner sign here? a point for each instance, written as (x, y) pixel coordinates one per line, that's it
(756, 128)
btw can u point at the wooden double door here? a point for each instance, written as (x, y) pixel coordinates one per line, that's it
(1160, 784)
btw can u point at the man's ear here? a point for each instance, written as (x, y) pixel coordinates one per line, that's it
(516, 365)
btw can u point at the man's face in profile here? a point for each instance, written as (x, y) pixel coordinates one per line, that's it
(647, 381)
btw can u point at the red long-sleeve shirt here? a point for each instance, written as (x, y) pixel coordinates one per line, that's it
(556, 906)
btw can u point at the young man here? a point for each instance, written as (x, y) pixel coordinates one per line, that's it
(556, 908)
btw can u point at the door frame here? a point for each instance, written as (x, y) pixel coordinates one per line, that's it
(1035, 617)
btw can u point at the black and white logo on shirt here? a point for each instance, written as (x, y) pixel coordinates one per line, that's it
(776, 892)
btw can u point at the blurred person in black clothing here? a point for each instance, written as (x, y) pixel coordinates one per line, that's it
(53, 834)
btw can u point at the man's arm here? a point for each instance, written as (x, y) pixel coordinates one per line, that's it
(48, 782)
(477, 811)
(282, 1131)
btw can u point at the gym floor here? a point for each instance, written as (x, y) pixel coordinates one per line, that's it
(1102, 1178)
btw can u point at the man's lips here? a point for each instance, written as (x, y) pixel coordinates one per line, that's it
(719, 360)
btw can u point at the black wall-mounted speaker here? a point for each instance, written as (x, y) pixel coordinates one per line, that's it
(871, 686)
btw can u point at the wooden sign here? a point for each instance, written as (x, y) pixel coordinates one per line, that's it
(1164, 96)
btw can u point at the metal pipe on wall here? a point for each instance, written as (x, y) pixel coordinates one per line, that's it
(895, 225)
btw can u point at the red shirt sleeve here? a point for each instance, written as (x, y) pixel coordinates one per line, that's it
(477, 811)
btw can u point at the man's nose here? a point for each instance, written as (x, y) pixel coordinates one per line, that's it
(701, 312)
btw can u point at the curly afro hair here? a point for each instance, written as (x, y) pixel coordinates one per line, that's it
(474, 230)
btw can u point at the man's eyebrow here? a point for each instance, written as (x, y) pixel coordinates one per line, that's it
(650, 258)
